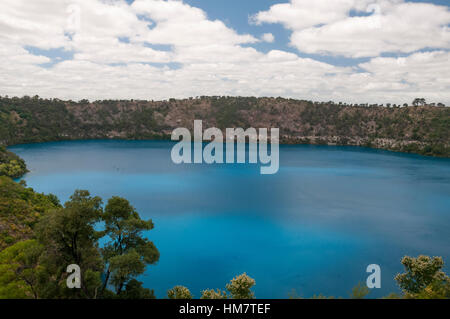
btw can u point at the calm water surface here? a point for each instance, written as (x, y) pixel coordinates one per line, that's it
(313, 227)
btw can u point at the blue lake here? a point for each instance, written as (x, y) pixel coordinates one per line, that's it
(314, 227)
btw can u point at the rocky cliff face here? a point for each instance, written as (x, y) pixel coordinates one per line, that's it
(424, 130)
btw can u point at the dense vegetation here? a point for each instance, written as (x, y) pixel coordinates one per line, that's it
(11, 165)
(40, 238)
(423, 129)
(20, 209)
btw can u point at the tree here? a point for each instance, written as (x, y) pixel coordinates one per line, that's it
(438, 289)
(20, 209)
(213, 294)
(66, 235)
(360, 291)
(127, 253)
(179, 292)
(20, 269)
(134, 290)
(11, 165)
(125, 267)
(419, 102)
(240, 287)
(71, 229)
(69, 237)
(424, 278)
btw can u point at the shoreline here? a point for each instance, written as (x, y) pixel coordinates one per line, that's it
(283, 142)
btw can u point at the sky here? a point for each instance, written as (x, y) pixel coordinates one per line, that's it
(351, 51)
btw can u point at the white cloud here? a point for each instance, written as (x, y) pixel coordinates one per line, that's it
(268, 37)
(182, 25)
(301, 14)
(327, 27)
(427, 73)
(127, 51)
(34, 23)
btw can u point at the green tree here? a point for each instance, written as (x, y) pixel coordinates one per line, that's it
(424, 278)
(419, 102)
(20, 209)
(213, 294)
(240, 287)
(19, 270)
(69, 237)
(179, 292)
(360, 291)
(11, 165)
(65, 235)
(134, 290)
(127, 253)
(438, 289)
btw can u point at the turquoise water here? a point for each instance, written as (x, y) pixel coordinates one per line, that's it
(313, 227)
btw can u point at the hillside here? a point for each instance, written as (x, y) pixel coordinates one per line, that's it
(20, 209)
(11, 165)
(422, 129)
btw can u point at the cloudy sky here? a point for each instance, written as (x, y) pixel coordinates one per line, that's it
(365, 51)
